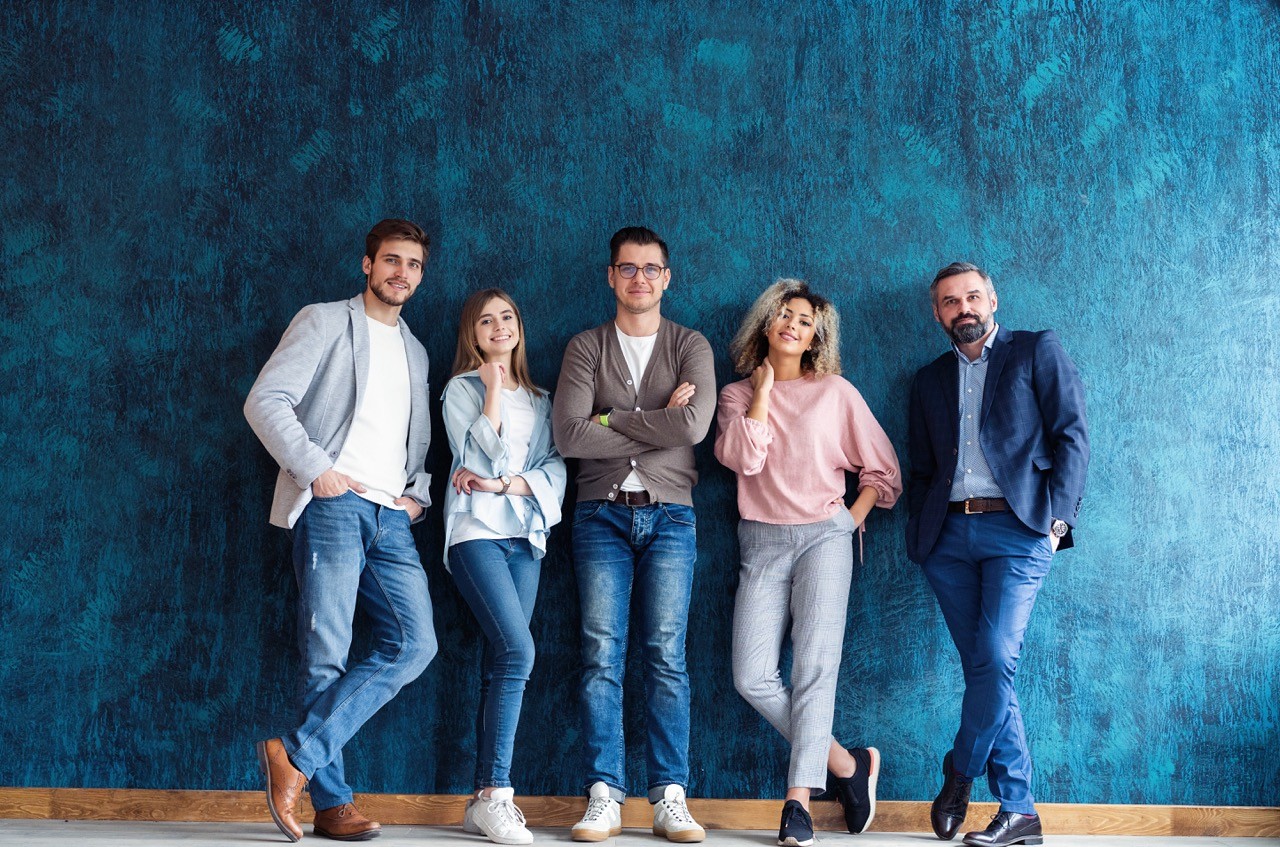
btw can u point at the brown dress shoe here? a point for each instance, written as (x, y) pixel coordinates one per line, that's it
(345, 823)
(284, 786)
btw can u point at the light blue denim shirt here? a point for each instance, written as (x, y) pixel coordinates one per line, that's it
(480, 449)
(973, 476)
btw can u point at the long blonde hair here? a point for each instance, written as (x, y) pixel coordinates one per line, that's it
(468, 356)
(750, 346)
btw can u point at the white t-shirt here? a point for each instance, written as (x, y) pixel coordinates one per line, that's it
(376, 450)
(637, 352)
(518, 406)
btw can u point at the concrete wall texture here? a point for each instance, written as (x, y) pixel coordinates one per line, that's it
(182, 178)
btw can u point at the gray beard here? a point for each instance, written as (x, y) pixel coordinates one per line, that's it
(969, 333)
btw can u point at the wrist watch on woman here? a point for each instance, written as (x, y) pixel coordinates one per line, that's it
(506, 483)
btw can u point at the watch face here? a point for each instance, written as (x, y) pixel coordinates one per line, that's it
(1059, 528)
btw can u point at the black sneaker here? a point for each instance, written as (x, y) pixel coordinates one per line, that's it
(857, 793)
(797, 826)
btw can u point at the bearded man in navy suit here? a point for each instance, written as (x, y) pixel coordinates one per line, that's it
(999, 447)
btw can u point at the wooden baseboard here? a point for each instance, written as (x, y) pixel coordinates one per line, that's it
(120, 804)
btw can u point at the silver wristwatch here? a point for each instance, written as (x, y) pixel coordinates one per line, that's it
(1058, 529)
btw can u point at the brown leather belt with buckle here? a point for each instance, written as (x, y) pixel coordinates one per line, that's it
(633, 498)
(978, 505)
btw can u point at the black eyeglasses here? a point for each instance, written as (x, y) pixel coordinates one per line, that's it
(628, 271)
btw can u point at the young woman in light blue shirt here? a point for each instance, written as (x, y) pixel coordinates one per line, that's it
(506, 487)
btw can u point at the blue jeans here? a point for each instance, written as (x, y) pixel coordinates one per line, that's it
(346, 548)
(650, 550)
(499, 581)
(986, 570)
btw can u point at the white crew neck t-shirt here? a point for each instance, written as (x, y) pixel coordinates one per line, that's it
(377, 447)
(636, 351)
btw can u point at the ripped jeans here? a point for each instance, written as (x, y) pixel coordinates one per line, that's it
(348, 549)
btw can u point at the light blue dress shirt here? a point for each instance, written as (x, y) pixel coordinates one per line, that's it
(973, 475)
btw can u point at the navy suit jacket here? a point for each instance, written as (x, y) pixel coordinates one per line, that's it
(1032, 431)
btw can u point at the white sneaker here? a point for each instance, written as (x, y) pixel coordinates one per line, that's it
(671, 818)
(603, 817)
(497, 817)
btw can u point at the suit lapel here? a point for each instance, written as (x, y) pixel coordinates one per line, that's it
(949, 376)
(995, 364)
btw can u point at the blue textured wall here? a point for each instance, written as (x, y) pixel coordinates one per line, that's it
(181, 178)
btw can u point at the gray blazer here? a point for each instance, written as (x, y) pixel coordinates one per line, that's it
(302, 404)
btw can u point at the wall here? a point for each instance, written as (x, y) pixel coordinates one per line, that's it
(181, 179)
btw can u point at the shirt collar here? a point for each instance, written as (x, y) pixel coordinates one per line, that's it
(986, 348)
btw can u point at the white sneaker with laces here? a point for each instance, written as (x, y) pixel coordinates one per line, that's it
(603, 817)
(671, 818)
(498, 817)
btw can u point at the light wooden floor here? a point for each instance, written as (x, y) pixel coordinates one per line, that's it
(47, 833)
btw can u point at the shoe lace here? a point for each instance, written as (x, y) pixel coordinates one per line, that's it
(506, 811)
(596, 809)
(678, 811)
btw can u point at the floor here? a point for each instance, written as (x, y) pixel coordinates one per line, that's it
(43, 833)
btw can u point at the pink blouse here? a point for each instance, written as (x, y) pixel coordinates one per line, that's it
(791, 470)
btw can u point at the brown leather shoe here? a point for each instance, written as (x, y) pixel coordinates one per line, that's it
(345, 823)
(284, 786)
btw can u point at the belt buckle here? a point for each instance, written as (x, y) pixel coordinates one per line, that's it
(966, 507)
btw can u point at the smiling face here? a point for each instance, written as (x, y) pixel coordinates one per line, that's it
(964, 305)
(497, 329)
(639, 295)
(791, 332)
(394, 273)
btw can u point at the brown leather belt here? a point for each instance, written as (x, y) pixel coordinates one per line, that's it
(633, 498)
(978, 505)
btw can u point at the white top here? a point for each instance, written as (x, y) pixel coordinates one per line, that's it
(518, 406)
(376, 450)
(636, 350)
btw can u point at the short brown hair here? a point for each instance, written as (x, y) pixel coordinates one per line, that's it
(639, 235)
(395, 229)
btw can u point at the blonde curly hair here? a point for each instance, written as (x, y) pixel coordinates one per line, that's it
(750, 346)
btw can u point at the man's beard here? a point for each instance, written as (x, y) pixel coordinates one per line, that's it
(389, 295)
(968, 333)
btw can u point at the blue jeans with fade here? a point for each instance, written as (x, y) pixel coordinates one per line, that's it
(499, 581)
(986, 570)
(346, 550)
(649, 551)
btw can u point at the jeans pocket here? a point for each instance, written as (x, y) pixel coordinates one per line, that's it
(680, 514)
(586, 511)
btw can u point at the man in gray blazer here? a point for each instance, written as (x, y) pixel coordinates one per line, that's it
(341, 405)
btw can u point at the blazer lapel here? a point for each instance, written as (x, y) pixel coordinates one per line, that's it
(995, 364)
(359, 346)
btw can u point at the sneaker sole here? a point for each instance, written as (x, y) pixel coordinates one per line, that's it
(793, 842)
(682, 837)
(499, 839)
(594, 834)
(872, 778)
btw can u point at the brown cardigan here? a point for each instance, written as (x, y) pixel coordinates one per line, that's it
(655, 440)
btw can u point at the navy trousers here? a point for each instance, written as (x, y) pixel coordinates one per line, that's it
(986, 570)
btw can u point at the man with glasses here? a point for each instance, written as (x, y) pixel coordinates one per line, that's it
(635, 395)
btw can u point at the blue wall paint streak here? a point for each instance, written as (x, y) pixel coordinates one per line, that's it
(182, 179)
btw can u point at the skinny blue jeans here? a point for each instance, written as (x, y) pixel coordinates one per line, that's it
(499, 581)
